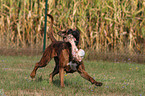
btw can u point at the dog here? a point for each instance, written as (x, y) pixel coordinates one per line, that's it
(62, 53)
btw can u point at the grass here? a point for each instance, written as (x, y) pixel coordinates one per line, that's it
(118, 79)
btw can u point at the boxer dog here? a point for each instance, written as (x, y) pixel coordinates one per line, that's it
(61, 51)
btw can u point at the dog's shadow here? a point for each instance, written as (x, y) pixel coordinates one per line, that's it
(39, 79)
(56, 81)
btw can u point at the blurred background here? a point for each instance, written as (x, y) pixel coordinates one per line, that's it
(112, 30)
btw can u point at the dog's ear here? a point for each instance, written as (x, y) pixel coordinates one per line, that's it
(62, 33)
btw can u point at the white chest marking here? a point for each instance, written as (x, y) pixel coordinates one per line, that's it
(72, 66)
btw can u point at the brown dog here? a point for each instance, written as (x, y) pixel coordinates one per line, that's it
(61, 52)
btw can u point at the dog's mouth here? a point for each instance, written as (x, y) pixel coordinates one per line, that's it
(70, 38)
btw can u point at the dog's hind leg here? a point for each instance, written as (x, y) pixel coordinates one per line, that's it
(47, 56)
(33, 73)
(63, 61)
(55, 71)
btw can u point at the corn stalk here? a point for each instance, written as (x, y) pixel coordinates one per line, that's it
(106, 25)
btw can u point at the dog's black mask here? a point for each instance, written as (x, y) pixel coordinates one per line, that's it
(75, 33)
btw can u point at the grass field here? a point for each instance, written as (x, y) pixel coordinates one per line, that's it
(118, 79)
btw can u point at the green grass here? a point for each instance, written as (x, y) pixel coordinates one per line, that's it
(118, 79)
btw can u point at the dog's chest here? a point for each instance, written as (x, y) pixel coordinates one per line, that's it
(71, 67)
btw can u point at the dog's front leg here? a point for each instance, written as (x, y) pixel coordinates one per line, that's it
(61, 74)
(63, 60)
(85, 75)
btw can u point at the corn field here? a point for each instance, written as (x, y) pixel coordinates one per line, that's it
(116, 26)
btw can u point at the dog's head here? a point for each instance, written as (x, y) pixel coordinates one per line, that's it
(74, 32)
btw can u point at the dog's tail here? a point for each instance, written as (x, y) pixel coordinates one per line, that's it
(50, 34)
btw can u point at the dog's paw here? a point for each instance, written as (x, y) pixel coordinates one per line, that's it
(32, 76)
(50, 80)
(98, 84)
(62, 86)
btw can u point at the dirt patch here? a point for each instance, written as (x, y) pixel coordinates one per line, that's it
(20, 52)
(27, 93)
(14, 69)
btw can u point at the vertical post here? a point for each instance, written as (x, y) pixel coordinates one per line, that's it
(44, 40)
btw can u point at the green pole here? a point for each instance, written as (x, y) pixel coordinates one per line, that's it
(44, 40)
